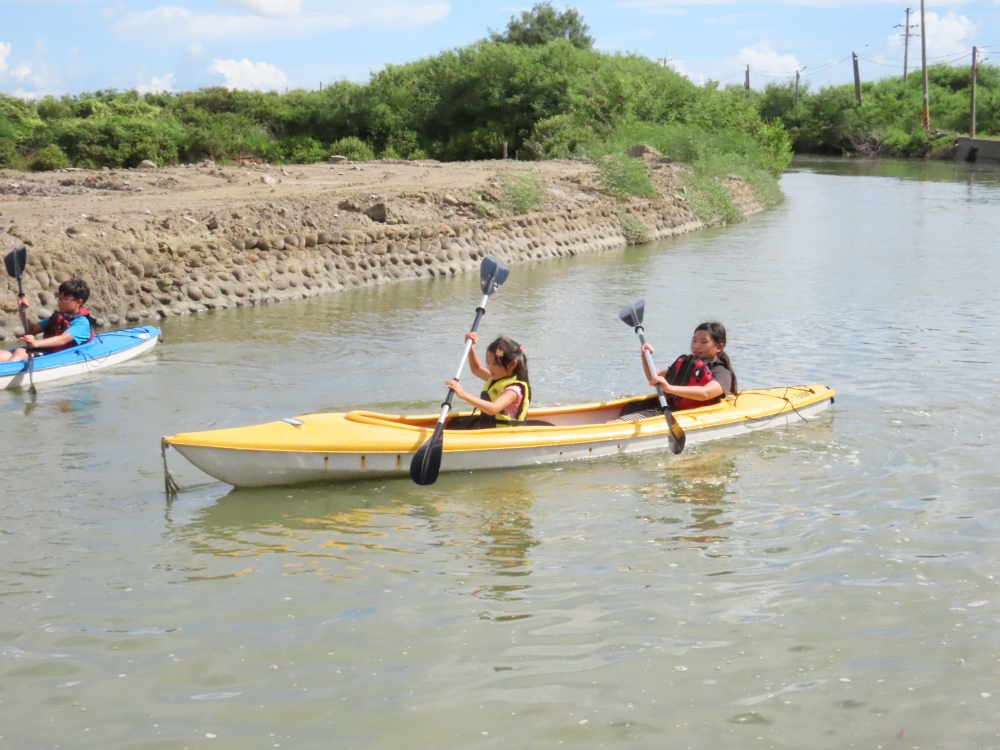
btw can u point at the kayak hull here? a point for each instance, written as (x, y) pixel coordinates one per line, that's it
(106, 350)
(363, 445)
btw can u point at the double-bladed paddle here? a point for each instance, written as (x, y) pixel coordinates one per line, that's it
(632, 316)
(15, 262)
(426, 463)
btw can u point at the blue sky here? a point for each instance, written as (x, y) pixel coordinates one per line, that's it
(69, 46)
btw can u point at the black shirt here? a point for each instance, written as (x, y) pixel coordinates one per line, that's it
(722, 375)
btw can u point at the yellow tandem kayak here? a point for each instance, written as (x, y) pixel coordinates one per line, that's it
(360, 444)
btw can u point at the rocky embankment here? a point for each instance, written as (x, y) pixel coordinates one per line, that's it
(164, 242)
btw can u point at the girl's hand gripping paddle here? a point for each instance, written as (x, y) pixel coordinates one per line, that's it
(15, 262)
(632, 316)
(426, 463)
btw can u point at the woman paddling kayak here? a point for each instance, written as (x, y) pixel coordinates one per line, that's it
(701, 378)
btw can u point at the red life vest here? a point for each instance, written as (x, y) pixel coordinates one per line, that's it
(58, 324)
(690, 371)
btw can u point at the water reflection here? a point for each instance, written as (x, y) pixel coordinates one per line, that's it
(332, 530)
(693, 494)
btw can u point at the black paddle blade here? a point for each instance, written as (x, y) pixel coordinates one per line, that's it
(492, 274)
(426, 463)
(15, 261)
(632, 314)
(677, 436)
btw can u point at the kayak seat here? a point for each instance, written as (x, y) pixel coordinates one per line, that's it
(537, 423)
(638, 409)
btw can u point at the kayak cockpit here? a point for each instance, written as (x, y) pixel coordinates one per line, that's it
(555, 416)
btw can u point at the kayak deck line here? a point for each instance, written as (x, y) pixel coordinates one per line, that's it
(358, 444)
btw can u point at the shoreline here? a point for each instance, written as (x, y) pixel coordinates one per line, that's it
(181, 240)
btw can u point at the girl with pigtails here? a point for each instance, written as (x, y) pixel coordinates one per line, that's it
(506, 393)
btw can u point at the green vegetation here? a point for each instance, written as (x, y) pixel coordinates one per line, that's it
(543, 24)
(890, 122)
(636, 233)
(622, 177)
(539, 87)
(521, 191)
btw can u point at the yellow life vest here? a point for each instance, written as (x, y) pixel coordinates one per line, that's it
(493, 389)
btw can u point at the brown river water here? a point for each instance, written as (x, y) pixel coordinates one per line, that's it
(830, 585)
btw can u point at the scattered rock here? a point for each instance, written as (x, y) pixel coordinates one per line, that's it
(146, 164)
(337, 159)
(378, 212)
(641, 150)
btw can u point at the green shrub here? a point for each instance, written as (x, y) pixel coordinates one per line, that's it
(623, 177)
(9, 158)
(636, 233)
(353, 148)
(712, 201)
(299, 149)
(49, 159)
(521, 191)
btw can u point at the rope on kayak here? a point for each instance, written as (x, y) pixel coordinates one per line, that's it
(782, 398)
(169, 484)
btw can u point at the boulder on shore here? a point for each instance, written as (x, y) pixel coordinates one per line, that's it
(146, 164)
(641, 150)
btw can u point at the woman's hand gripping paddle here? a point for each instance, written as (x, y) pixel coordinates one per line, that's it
(15, 262)
(632, 316)
(426, 463)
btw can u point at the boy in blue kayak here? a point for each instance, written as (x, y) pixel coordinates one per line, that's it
(71, 325)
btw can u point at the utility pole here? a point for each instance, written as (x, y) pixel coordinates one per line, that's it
(798, 73)
(975, 74)
(906, 44)
(746, 84)
(923, 55)
(857, 79)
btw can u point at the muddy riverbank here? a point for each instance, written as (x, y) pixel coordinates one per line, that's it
(162, 242)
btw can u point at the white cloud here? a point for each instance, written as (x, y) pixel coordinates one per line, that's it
(655, 6)
(680, 67)
(21, 72)
(168, 21)
(157, 85)
(764, 60)
(948, 36)
(4, 54)
(243, 74)
(269, 8)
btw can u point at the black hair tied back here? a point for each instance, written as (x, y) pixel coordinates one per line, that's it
(717, 332)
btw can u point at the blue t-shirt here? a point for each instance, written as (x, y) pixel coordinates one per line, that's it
(79, 329)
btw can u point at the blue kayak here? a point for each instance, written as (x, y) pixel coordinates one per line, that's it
(105, 350)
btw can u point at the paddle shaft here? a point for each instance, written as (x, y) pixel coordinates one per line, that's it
(20, 309)
(652, 367)
(27, 346)
(446, 406)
